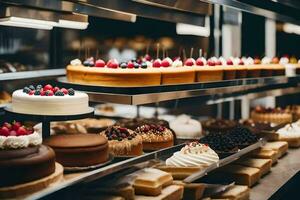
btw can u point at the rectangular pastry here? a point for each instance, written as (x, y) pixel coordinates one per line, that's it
(280, 147)
(151, 181)
(126, 191)
(171, 192)
(266, 154)
(236, 192)
(179, 173)
(191, 190)
(264, 165)
(103, 197)
(242, 175)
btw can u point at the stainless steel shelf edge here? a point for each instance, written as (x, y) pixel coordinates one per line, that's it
(32, 74)
(225, 161)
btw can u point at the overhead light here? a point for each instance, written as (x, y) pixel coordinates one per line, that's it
(188, 29)
(291, 28)
(73, 21)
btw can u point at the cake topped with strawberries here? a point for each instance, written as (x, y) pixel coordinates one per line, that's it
(49, 100)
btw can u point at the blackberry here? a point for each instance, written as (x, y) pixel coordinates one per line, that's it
(123, 65)
(120, 139)
(39, 87)
(136, 65)
(71, 92)
(86, 63)
(47, 93)
(26, 90)
(59, 93)
(31, 87)
(37, 92)
(144, 65)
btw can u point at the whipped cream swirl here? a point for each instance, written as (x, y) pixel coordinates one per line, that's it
(193, 155)
(17, 142)
(290, 130)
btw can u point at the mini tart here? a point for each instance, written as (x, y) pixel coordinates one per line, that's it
(113, 77)
(209, 73)
(276, 116)
(155, 137)
(229, 72)
(253, 71)
(241, 71)
(177, 75)
(123, 141)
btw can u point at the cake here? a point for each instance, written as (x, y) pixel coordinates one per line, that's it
(218, 125)
(138, 121)
(186, 128)
(264, 165)
(290, 133)
(241, 69)
(278, 66)
(236, 192)
(191, 191)
(192, 158)
(229, 70)
(155, 137)
(79, 150)
(267, 67)
(242, 136)
(172, 192)
(112, 73)
(265, 154)
(150, 181)
(49, 100)
(123, 141)
(253, 67)
(280, 147)
(67, 127)
(23, 158)
(294, 110)
(207, 71)
(271, 115)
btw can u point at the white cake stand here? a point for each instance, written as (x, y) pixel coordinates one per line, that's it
(46, 119)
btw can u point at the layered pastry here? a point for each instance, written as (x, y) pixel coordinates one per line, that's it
(278, 66)
(49, 100)
(280, 147)
(186, 128)
(5, 97)
(271, 115)
(150, 182)
(175, 73)
(290, 133)
(236, 192)
(113, 73)
(268, 67)
(95, 125)
(155, 137)
(241, 69)
(218, 125)
(172, 192)
(241, 174)
(123, 141)
(191, 158)
(136, 122)
(229, 69)
(79, 150)
(253, 67)
(207, 71)
(21, 153)
(221, 143)
(264, 165)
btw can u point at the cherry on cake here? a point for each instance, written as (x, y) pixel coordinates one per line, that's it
(49, 100)
(23, 158)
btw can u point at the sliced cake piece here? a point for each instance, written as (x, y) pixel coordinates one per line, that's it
(236, 192)
(171, 192)
(191, 190)
(264, 165)
(266, 154)
(280, 147)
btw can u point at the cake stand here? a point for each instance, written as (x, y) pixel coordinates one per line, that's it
(46, 119)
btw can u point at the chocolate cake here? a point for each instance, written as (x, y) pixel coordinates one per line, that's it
(218, 125)
(79, 150)
(136, 122)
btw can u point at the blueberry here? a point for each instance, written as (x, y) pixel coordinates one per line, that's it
(136, 65)
(123, 65)
(144, 65)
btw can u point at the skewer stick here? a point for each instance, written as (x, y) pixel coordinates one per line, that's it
(97, 54)
(191, 52)
(184, 54)
(157, 51)
(200, 53)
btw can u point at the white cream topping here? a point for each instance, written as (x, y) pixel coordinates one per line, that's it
(17, 142)
(266, 60)
(177, 63)
(223, 60)
(249, 61)
(203, 60)
(284, 60)
(149, 64)
(193, 155)
(186, 128)
(169, 60)
(75, 62)
(289, 131)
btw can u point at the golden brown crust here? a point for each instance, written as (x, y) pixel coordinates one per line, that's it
(209, 73)
(177, 75)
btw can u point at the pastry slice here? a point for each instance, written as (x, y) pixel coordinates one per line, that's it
(191, 190)
(236, 192)
(266, 154)
(292, 142)
(104, 197)
(264, 165)
(280, 147)
(151, 181)
(126, 191)
(180, 173)
(242, 175)
(172, 192)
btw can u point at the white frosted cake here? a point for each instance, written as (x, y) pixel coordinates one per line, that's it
(49, 100)
(186, 128)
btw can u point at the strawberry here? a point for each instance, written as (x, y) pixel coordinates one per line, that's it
(48, 87)
(31, 92)
(64, 90)
(189, 62)
(55, 89)
(7, 125)
(21, 131)
(12, 133)
(100, 63)
(165, 63)
(157, 63)
(4, 131)
(199, 62)
(43, 93)
(130, 65)
(229, 62)
(16, 126)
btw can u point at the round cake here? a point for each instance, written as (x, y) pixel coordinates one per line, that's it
(218, 125)
(291, 134)
(49, 100)
(186, 128)
(22, 157)
(272, 115)
(79, 150)
(123, 141)
(155, 137)
(136, 122)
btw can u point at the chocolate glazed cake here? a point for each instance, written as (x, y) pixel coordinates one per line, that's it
(79, 150)
(26, 164)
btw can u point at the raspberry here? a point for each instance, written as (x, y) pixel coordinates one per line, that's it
(64, 90)
(7, 125)
(55, 89)
(43, 93)
(48, 87)
(31, 92)
(12, 133)
(4, 131)
(71, 92)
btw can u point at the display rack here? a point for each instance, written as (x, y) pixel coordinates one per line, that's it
(153, 94)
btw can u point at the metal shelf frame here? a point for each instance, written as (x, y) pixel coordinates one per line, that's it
(214, 90)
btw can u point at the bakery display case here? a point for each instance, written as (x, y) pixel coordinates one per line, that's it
(149, 99)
